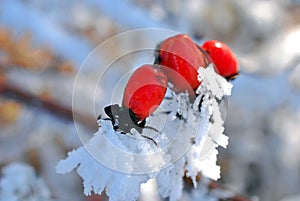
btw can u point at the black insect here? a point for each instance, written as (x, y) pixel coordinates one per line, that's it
(123, 119)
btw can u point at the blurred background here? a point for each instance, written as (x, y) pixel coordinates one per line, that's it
(44, 43)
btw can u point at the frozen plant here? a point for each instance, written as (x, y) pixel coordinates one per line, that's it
(20, 183)
(186, 145)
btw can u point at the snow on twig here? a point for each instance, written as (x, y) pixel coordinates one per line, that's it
(185, 146)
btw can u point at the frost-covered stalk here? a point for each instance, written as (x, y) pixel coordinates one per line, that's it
(186, 145)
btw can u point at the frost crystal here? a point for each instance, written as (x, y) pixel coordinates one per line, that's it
(185, 145)
(99, 164)
(19, 183)
(213, 83)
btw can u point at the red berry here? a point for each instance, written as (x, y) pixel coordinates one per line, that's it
(182, 57)
(145, 91)
(225, 61)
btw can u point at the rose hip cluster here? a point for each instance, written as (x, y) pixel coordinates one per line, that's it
(177, 61)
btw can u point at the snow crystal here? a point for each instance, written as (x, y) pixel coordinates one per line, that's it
(213, 83)
(97, 177)
(169, 181)
(186, 143)
(109, 161)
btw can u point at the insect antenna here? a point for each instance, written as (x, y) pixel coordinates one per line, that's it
(149, 138)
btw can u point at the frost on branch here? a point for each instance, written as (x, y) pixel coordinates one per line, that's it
(213, 83)
(91, 159)
(20, 183)
(170, 182)
(184, 146)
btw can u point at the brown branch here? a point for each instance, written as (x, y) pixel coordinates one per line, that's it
(237, 197)
(47, 103)
(213, 185)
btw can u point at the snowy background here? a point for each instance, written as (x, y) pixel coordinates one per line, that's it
(44, 43)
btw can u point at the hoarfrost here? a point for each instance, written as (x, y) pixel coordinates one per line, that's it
(185, 146)
(169, 181)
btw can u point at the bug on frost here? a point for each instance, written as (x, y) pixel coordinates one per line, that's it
(144, 92)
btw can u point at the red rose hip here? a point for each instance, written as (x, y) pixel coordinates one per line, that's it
(181, 58)
(224, 59)
(145, 91)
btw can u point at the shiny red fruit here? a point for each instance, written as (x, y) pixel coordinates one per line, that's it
(225, 61)
(182, 58)
(145, 91)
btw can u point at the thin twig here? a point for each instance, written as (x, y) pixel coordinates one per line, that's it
(46, 103)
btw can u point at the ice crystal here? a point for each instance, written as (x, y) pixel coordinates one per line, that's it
(169, 180)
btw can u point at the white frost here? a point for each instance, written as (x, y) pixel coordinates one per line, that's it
(169, 181)
(116, 162)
